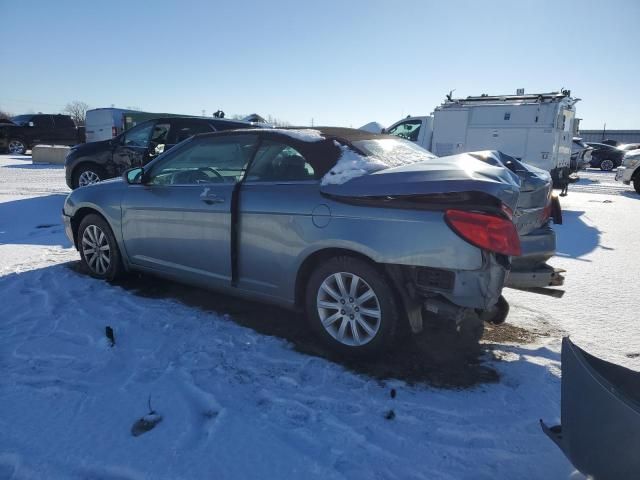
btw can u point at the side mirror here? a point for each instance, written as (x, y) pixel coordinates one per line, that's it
(134, 176)
(31, 124)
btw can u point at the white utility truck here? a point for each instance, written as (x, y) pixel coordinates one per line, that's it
(536, 129)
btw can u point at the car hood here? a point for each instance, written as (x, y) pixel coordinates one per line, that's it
(453, 174)
(86, 148)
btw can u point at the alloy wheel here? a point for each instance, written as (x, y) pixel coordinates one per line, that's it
(88, 178)
(16, 147)
(349, 309)
(96, 250)
(606, 165)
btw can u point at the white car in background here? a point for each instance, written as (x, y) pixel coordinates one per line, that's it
(629, 171)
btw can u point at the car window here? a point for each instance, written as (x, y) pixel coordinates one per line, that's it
(160, 133)
(139, 135)
(183, 129)
(42, 121)
(62, 121)
(204, 160)
(278, 162)
(409, 130)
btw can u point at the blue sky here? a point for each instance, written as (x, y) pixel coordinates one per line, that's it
(343, 62)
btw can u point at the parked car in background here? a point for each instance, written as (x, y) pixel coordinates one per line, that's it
(605, 157)
(629, 146)
(629, 172)
(580, 154)
(26, 131)
(92, 162)
(369, 234)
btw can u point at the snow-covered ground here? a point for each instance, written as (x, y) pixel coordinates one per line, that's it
(239, 404)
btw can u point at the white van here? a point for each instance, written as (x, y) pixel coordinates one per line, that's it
(105, 123)
(537, 129)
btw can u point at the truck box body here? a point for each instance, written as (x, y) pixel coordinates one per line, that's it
(105, 123)
(537, 129)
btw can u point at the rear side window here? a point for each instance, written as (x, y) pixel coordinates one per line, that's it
(183, 129)
(278, 162)
(63, 122)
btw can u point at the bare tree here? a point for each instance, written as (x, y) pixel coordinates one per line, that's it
(5, 115)
(77, 110)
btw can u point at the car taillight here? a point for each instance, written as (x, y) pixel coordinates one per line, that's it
(114, 132)
(489, 232)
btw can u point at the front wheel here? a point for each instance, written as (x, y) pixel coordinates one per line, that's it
(606, 165)
(87, 174)
(351, 306)
(98, 248)
(17, 147)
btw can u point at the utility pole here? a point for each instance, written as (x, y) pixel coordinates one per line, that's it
(312, 121)
(204, 112)
(604, 129)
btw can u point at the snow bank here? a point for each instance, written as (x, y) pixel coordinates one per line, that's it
(383, 154)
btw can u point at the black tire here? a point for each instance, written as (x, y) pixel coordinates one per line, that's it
(385, 336)
(496, 314)
(17, 146)
(636, 183)
(115, 268)
(607, 165)
(87, 168)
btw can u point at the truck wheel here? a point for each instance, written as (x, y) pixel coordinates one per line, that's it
(606, 165)
(351, 306)
(98, 248)
(636, 183)
(87, 174)
(17, 147)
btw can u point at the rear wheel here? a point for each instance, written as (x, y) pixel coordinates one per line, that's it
(87, 174)
(351, 306)
(98, 248)
(607, 165)
(636, 183)
(17, 147)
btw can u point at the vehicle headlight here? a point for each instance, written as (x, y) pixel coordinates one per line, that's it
(631, 162)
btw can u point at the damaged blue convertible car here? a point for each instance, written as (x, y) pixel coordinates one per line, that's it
(368, 234)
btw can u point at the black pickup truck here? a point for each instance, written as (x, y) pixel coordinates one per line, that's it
(24, 131)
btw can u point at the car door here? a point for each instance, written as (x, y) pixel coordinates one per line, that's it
(65, 131)
(179, 220)
(168, 134)
(42, 130)
(277, 202)
(132, 147)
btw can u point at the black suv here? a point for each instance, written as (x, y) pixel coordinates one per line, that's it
(91, 162)
(26, 131)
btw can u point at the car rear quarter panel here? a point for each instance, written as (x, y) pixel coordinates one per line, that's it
(280, 228)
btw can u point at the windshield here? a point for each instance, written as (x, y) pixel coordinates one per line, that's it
(392, 152)
(21, 119)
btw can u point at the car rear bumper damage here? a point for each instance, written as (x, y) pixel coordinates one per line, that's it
(426, 291)
(530, 269)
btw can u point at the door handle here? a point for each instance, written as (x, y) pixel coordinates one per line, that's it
(210, 198)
